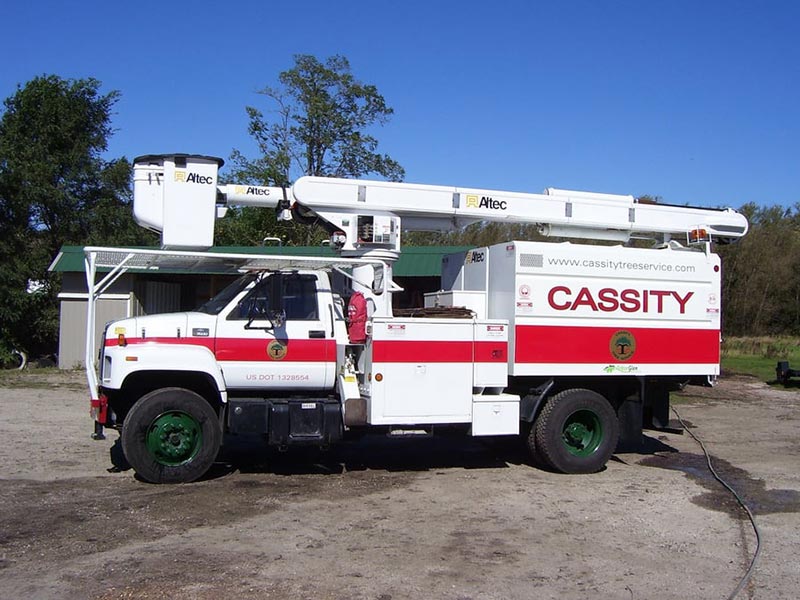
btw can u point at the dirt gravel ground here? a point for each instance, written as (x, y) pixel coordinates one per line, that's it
(453, 518)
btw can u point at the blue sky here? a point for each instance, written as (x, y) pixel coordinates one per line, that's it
(695, 101)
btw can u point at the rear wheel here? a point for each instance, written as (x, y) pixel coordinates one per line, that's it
(576, 432)
(171, 435)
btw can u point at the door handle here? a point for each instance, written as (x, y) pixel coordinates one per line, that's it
(316, 333)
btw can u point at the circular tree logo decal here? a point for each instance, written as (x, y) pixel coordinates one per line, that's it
(276, 350)
(622, 345)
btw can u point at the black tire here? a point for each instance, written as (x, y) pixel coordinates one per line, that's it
(576, 432)
(526, 435)
(171, 435)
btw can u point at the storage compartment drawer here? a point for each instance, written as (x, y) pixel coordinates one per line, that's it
(495, 415)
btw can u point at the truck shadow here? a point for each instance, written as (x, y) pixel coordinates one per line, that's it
(371, 452)
(250, 454)
(650, 444)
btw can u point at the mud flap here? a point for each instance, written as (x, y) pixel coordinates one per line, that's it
(657, 399)
(656, 406)
(630, 422)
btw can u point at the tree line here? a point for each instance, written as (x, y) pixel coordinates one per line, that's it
(761, 274)
(57, 188)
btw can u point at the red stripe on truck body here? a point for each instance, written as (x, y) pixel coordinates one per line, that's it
(247, 349)
(558, 344)
(426, 351)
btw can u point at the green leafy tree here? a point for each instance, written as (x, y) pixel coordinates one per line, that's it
(761, 274)
(321, 125)
(55, 189)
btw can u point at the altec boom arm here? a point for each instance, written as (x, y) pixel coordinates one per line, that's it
(178, 195)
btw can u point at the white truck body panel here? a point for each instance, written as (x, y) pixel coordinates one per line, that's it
(581, 310)
(426, 371)
(495, 415)
(421, 371)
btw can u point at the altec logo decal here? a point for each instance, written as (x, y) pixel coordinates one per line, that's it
(250, 190)
(562, 297)
(485, 202)
(185, 177)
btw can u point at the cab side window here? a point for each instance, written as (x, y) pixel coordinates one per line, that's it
(299, 293)
(300, 298)
(255, 305)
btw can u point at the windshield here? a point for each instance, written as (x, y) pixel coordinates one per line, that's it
(221, 300)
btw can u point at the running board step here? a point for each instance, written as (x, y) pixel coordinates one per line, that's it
(397, 432)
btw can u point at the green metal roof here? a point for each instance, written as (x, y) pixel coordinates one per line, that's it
(415, 261)
(424, 261)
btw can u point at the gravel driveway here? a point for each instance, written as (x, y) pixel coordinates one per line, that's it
(381, 519)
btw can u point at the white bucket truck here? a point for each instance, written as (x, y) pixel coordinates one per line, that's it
(573, 346)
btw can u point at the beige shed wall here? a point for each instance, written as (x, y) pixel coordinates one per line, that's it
(72, 327)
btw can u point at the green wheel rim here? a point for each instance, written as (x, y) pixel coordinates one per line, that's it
(582, 433)
(174, 438)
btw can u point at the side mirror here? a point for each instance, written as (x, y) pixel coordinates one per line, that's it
(276, 312)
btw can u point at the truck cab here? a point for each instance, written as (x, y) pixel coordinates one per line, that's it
(265, 345)
(265, 331)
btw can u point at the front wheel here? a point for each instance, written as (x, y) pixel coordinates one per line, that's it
(171, 435)
(576, 432)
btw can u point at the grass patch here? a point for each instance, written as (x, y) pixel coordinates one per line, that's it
(45, 378)
(684, 397)
(757, 356)
(757, 366)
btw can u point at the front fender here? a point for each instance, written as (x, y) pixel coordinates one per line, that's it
(119, 362)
